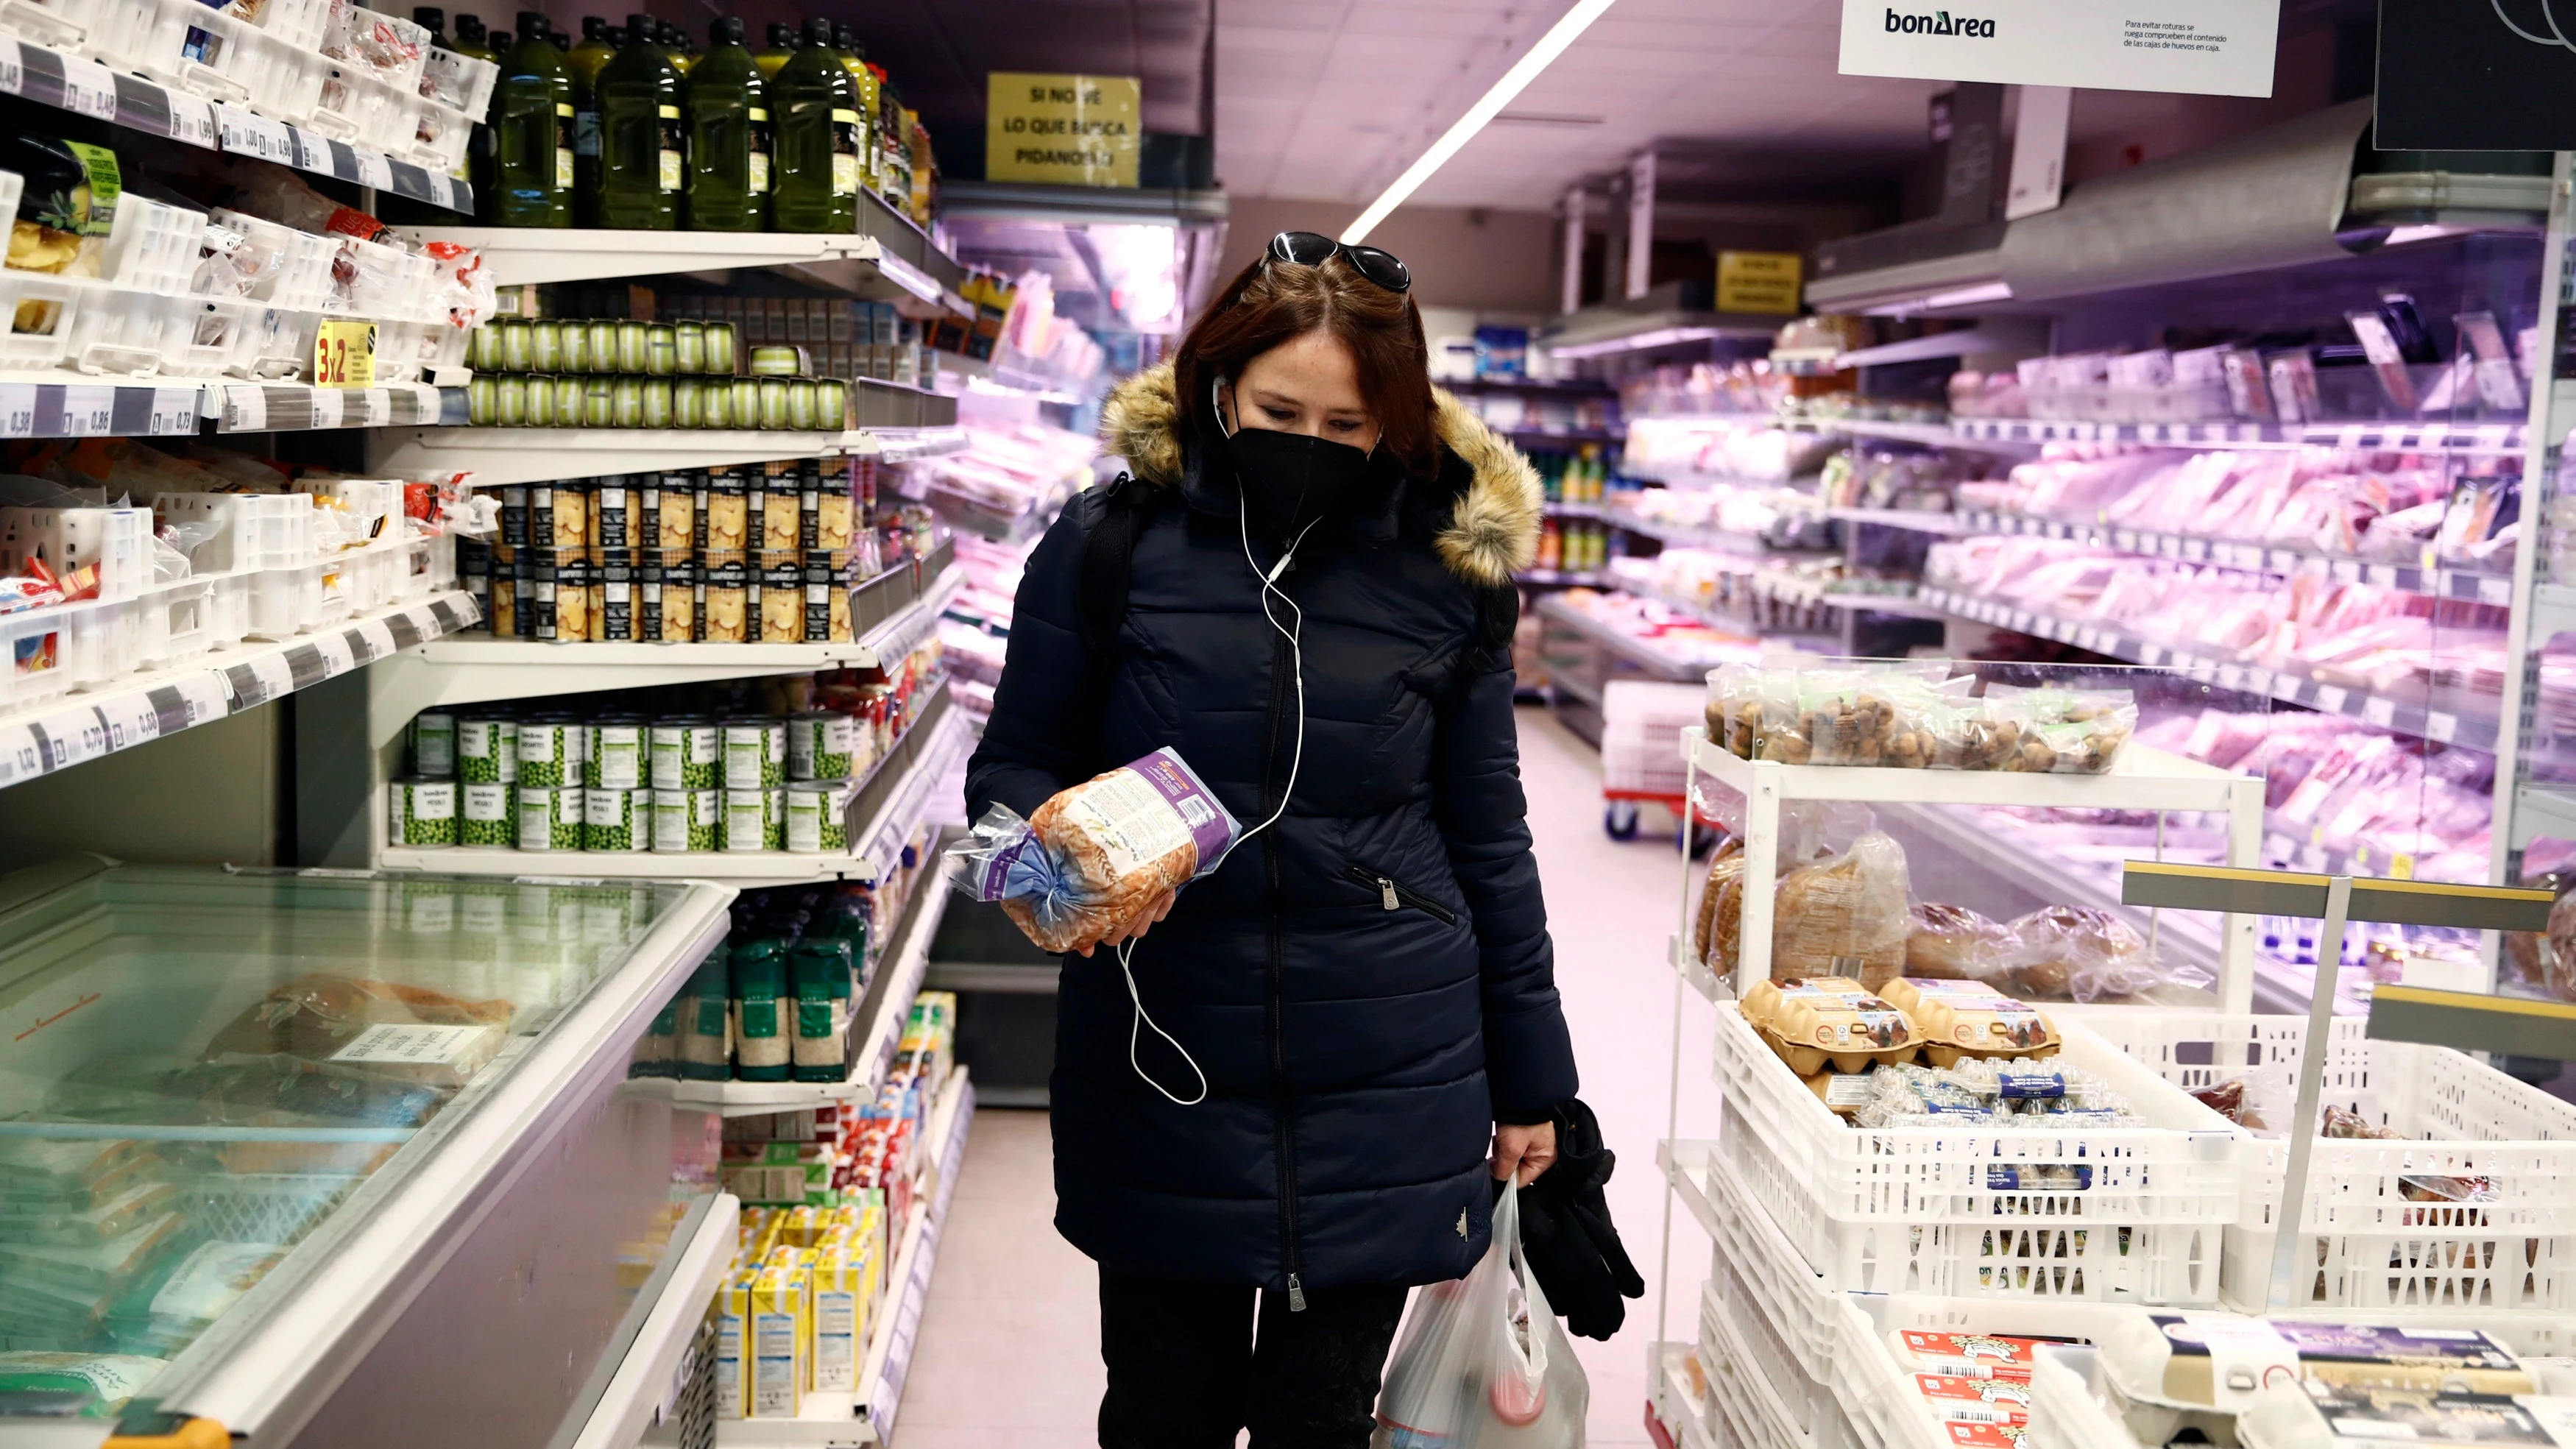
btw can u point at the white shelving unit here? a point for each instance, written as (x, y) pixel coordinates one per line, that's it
(852, 1420)
(60, 733)
(494, 456)
(2140, 779)
(858, 266)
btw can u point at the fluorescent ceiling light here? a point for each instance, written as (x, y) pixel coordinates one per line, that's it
(1560, 35)
(1660, 337)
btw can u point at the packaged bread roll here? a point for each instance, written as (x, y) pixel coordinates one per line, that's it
(1097, 855)
(2074, 953)
(1952, 943)
(1845, 916)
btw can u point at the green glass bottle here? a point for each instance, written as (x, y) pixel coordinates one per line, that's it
(532, 126)
(684, 57)
(642, 167)
(782, 44)
(583, 63)
(471, 41)
(816, 112)
(728, 136)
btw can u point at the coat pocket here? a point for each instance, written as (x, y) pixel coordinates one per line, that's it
(1395, 895)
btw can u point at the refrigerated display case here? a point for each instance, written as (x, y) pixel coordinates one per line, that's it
(329, 1158)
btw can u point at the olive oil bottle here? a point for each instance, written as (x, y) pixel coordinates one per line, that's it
(472, 41)
(816, 112)
(532, 132)
(782, 44)
(642, 152)
(584, 63)
(729, 142)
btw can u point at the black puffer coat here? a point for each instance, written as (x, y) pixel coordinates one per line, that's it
(1368, 984)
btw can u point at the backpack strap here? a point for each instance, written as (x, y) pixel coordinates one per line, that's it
(1108, 567)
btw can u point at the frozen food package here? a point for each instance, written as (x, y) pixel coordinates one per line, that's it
(377, 1027)
(2313, 1415)
(1951, 943)
(1095, 855)
(99, 1383)
(2075, 953)
(1845, 916)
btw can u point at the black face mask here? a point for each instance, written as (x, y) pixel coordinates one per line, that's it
(1290, 480)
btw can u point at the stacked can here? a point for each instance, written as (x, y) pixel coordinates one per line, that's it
(487, 768)
(617, 803)
(421, 806)
(754, 752)
(686, 767)
(550, 372)
(757, 555)
(553, 749)
(822, 755)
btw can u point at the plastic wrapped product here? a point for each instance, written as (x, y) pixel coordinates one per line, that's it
(1096, 855)
(2076, 953)
(1956, 1025)
(1951, 943)
(1727, 865)
(2072, 731)
(2312, 1415)
(2168, 1372)
(99, 1383)
(1966, 1355)
(2343, 1122)
(1845, 916)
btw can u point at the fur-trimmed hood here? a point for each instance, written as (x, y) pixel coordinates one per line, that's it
(1492, 533)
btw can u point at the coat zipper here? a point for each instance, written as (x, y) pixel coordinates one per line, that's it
(1394, 894)
(1283, 1147)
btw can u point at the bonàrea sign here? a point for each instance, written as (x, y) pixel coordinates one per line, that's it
(2206, 47)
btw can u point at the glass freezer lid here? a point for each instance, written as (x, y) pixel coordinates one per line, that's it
(201, 1071)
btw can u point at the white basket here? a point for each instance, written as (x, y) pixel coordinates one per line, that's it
(1756, 1411)
(1801, 1311)
(176, 622)
(33, 666)
(1641, 733)
(2065, 1411)
(295, 266)
(228, 607)
(103, 640)
(115, 541)
(1804, 1401)
(12, 187)
(193, 47)
(153, 246)
(459, 82)
(410, 33)
(252, 530)
(1880, 1395)
(120, 331)
(205, 335)
(2366, 1244)
(1909, 1209)
(389, 283)
(46, 308)
(285, 602)
(66, 23)
(357, 107)
(276, 344)
(298, 23)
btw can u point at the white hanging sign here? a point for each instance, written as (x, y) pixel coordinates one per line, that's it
(2203, 47)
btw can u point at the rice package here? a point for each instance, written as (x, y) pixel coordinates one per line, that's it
(1095, 856)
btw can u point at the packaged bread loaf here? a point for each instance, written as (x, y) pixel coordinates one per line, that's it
(1952, 943)
(2074, 953)
(1845, 916)
(1725, 868)
(1094, 857)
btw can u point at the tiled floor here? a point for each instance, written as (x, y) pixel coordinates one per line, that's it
(1009, 1349)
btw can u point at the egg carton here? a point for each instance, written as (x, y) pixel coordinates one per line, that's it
(2376, 1230)
(114, 541)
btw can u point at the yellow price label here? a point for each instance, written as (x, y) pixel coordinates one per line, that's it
(344, 354)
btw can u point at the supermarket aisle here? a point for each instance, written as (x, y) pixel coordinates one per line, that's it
(1010, 1339)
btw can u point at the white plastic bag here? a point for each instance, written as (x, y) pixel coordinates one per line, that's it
(1483, 1363)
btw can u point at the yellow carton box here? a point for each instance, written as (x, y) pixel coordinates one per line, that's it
(733, 1322)
(781, 1332)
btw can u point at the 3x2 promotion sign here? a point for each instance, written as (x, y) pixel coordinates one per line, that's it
(2207, 47)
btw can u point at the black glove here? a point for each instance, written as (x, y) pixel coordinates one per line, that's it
(1566, 1232)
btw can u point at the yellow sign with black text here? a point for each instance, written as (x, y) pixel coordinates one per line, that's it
(1071, 130)
(1758, 282)
(344, 354)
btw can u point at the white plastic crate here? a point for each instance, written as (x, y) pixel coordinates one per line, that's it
(388, 283)
(285, 602)
(115, 541)
(119, 330)
(67, 23)
(1756, 1413)
(12, 187)
(276, 344)
(1802, 1312)
(1641, 731)
(382, 33)
(2367, 1243)
(33, 666)
(242, 530)
(295, 266)
(1805, 1402)
(191, 46)
(176, 622)
(228, 607)
(459, 82)
(207, 335)
(440, 134)
(299, 23)
(2066, 1411)
(357, 107)
(103, 640)
(1912, 1209)
(40, 311)
(152, 246)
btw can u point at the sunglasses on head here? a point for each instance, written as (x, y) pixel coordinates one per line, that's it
(1313, 249)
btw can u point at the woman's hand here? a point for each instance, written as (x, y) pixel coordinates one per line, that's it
(1529, 1150)
(1135, 929)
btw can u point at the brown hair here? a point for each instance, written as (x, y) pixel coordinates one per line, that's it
(1271, 302)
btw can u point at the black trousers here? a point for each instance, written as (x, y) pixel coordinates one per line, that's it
(1187, 1370)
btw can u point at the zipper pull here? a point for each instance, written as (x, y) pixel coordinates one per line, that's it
(1386, 894)
(1296, 1295)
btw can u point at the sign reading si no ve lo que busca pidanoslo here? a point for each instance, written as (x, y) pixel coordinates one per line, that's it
(1072, 130)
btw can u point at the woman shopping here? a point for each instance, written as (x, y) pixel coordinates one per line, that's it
(1299, 1077)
